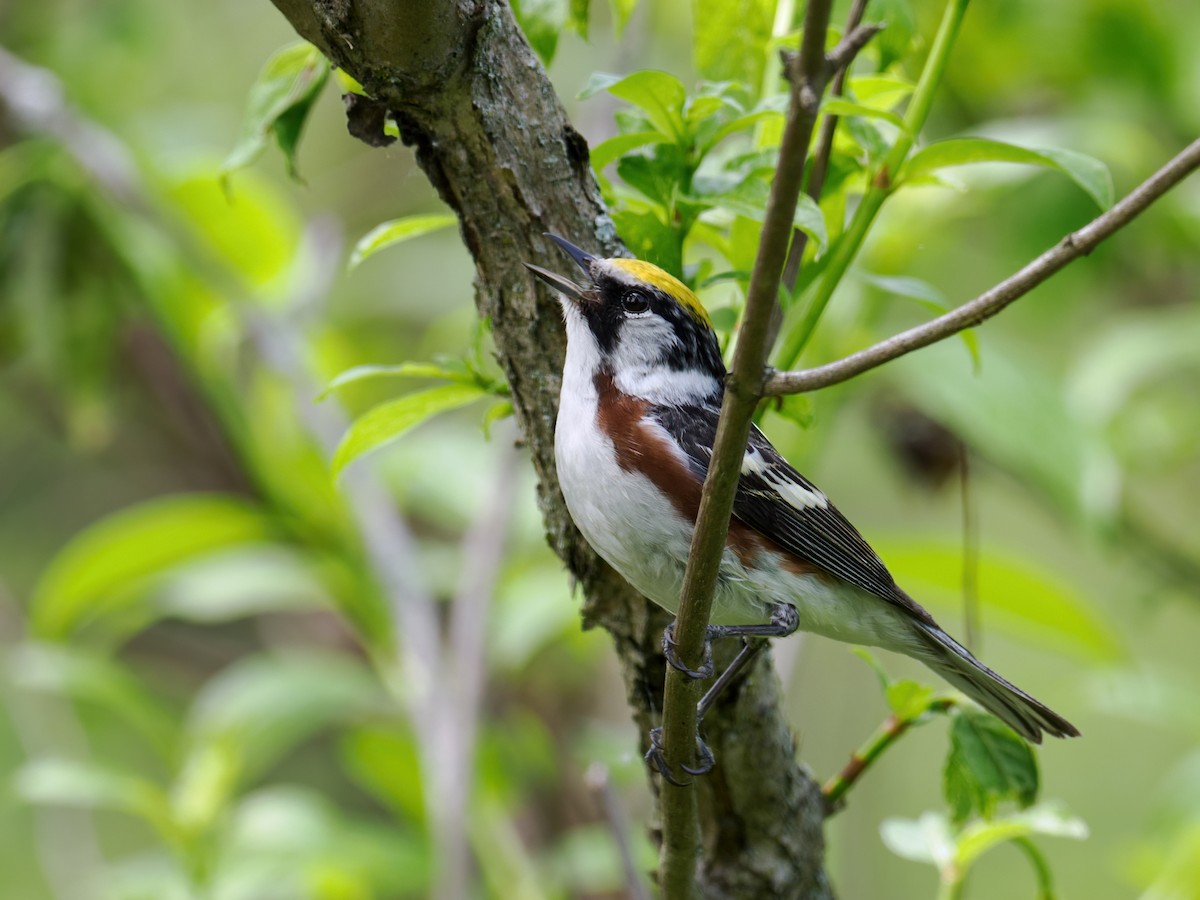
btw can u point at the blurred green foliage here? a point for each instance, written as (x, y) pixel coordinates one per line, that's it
(200, 677)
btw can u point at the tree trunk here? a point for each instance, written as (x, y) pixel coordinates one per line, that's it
(474, 102)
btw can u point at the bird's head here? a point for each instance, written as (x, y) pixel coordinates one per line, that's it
(639, 324)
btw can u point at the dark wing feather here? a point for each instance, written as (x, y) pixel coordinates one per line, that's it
(816, 533)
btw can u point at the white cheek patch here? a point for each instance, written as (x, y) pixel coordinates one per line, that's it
(640, 372)
(780, 481)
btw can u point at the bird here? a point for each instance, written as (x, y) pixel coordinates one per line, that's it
(642, 385)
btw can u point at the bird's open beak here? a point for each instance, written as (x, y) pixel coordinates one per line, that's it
(563, 285)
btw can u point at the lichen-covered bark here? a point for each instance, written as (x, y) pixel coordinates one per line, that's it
(475, 104)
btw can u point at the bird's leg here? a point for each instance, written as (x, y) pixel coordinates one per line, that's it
(784, 621)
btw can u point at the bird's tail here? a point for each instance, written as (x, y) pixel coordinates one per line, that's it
(1021, 712)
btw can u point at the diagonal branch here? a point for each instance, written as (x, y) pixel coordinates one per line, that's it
(807, 72)
(1074, 245)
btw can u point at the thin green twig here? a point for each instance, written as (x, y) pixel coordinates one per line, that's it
(835, 789)
(881, 181)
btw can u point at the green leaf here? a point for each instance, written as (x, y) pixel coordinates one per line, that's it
(239, 582)
(622, 10)
(542, 21)
(389, 421)
(730, 39)
(908, 699)
(396, 231)
(607, 151)
(382, 761)
(1087, 172)
(260, 707)
(1017, 596)
(799, 409)
(660, 94)
(896, 40)
(401, 370)
(929, 297)
(279, 103)
(988, 764)
(879, 91)
(499, 410)
(836, 106)
(749, 199)
(577, 17)
(1044, 818)
(927, 839)
(85, 785)
(101, 569)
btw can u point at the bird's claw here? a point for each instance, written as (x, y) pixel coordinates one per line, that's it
(656, 759)
(670, 651)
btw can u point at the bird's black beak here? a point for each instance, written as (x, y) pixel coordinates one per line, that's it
(563, 285)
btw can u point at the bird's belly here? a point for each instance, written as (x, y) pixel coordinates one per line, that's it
(623, 516)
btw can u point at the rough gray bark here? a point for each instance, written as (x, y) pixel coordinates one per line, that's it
(474, 102)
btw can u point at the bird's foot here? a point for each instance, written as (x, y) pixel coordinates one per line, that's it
(671, 652)
(654, 756)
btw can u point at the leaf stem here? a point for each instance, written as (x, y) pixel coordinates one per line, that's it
(880, 187)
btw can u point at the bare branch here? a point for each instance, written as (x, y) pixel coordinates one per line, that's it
(1074, 245)
(815, 182)
(843, 54)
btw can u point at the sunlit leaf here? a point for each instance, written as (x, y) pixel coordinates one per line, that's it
(397, 231)
(622, 10)
(101, 569)
(615, 147)
(400, 370)
(896, 40)
(749, 200)
(879, 91)
(1087, 172)
(389, 421)
(909, 699)
(205, 784)
(498, 411)
(836, 106)
(660, 94)
(577, 17)
(1017, 597)
(257, 235)
(383, 761)
(927, 839)
(279, 103)
(730, 39)
(987, 765)
(542, 21)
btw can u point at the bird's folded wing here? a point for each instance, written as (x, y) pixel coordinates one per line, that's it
(780, 503)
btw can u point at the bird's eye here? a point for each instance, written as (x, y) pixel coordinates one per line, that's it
(635, 302)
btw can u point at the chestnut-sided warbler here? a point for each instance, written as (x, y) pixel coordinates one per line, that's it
(641, 393)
